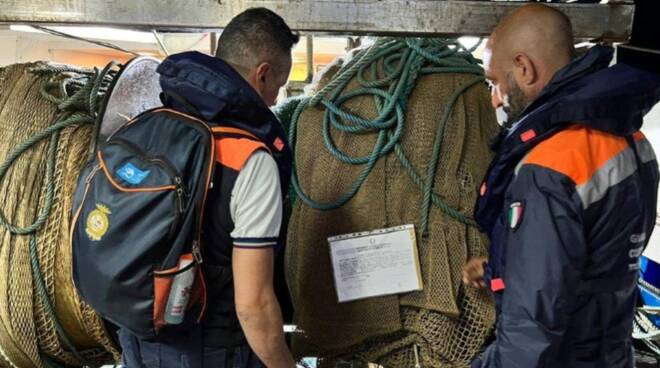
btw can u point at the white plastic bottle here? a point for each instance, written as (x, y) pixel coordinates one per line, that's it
(180, 292)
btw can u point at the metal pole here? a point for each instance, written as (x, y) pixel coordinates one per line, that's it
(310, 58)
(214, 42)
(161, 44)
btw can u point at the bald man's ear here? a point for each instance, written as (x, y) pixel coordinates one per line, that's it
(525, 72)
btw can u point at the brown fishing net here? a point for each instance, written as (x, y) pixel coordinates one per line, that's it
(27, 332)
(445, 324)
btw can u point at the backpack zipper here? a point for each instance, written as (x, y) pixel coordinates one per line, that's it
(197, 252)
(179, 192)
(162, 162)
(177, 189)
(159, 160)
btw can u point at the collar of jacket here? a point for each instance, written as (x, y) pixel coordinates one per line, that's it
(210, 89)
(586, 91)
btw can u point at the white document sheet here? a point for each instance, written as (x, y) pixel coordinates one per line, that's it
(375, 263)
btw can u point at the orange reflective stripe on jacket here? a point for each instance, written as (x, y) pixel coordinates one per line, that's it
(578, 152)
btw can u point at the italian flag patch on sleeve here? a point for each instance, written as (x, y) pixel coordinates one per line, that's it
(515, 214)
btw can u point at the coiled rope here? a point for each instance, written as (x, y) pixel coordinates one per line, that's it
(403, 62)
(78, 98)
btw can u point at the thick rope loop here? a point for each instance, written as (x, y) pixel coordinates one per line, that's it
(77, 97)
(401, 62)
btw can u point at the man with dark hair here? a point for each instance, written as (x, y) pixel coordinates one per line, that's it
(569, 201)
(255, 42)
(242, 226)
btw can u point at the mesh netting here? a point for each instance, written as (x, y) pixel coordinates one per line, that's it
(27, 332)
(445, 324)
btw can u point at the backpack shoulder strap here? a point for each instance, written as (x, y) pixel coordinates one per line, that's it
(233, 147)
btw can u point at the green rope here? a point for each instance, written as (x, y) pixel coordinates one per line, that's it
(81, 93)
(403, 61)
(43, 294)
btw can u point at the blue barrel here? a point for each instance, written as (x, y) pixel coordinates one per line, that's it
(649, 285)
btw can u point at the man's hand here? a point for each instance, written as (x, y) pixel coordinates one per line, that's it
(473, 272)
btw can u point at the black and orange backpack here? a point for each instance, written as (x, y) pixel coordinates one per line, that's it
(137, 214)
(137, 224)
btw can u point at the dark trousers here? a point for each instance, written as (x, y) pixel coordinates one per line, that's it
(186, 350)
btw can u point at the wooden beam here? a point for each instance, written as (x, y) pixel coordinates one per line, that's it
(377, 17)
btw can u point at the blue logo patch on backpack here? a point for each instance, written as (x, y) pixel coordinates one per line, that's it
(132, 174)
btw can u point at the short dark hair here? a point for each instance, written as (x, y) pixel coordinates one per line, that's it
(253, 36)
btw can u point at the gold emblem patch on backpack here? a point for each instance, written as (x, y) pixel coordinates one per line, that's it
(98, 222)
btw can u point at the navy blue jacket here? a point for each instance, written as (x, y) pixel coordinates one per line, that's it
(210, 89)
(569, 203)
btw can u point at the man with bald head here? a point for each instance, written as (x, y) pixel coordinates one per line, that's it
(569, 201)
(533, 43)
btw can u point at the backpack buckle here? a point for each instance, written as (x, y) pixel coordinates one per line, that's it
(197, 253)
